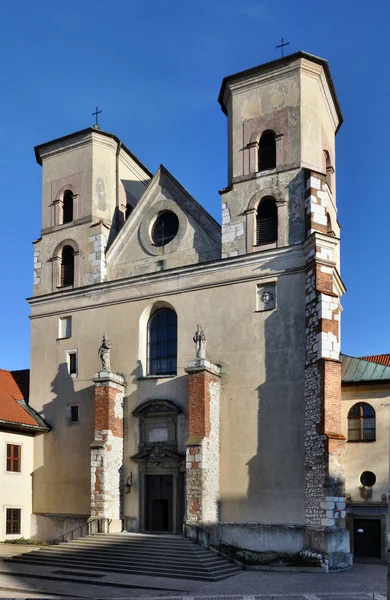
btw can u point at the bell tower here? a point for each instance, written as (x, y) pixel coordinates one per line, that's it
(281, 195)
(282, 120)
(90, 183)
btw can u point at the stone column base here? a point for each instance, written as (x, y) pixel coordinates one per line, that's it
(332, 543)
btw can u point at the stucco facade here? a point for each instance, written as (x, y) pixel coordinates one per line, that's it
(271, 466)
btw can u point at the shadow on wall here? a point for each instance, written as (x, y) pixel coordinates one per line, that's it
(276, 483)
(61, 482)
(133, 192)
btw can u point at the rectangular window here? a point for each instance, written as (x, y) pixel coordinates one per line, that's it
(72, 362)
(65, 328)
(74, 413)
(14, 454)
(13, 521)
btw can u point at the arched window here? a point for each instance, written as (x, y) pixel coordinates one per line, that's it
(267, 151)
(361, 423)
(266, 222)
(67, 266)
(67, 207)
(162, 342)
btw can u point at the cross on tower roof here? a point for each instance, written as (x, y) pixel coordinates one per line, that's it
(281, 45)
(96, 114)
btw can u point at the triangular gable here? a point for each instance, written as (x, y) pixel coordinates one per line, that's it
(197, 240)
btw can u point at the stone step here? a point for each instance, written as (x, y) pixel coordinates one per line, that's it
(203, 575)
(117, 558)
(134, 542)
(186, 552)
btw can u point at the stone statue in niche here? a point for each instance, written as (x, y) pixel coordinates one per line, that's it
(104, 353)
(200, 343)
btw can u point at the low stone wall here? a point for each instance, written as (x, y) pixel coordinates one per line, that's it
(45, 527)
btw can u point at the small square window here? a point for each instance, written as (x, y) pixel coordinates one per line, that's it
(65, 327)
(14, 455)
(74, 413)
(72, 363)
(13, 521)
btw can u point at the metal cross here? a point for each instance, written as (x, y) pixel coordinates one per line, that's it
(281, 45)
(95, 114)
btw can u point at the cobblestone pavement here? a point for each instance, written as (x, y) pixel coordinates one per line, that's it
(364, 582)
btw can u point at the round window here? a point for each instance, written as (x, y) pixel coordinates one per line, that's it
(367, 479)
(165, 228)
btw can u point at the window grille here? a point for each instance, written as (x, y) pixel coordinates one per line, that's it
(14, 452)
(267, 151)
(67, 266)
(266, 222)
(361, 423)
(162, 343)
(13, 521)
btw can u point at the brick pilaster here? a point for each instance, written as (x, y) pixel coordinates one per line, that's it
(107, 448)
(202, 456)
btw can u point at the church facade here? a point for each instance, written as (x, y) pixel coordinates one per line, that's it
(214, 399)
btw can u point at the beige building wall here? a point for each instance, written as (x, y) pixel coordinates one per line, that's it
(16, 488)
(262, 400)
(368, 456)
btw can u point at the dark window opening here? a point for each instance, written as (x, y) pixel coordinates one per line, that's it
(266, 222)
(67, 207)
(165, 228)
(13, 521)
(162, 343)
(14, 458)
(129, 210)
(361, 423)
(368, 478)
(67, 266)
(72, 363)
(74, 413)
(267, 151)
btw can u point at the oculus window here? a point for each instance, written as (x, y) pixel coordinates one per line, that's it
(162, 342)
(165, 228)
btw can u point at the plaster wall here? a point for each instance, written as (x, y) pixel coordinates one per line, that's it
(368, 456)
(16, 490)
(262, 402)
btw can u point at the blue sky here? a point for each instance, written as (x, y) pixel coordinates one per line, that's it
(155, 67)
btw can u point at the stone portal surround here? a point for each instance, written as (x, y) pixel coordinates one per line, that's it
(202, 455)
(107, 448)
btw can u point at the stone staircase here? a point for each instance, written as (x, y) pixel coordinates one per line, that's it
(133, 554)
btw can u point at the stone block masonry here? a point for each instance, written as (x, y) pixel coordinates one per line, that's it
(107, 448)
(97, 257)
(324, 443)
(37, 267)
(202, 455)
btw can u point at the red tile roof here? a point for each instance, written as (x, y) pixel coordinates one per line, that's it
(381, 359)
(14, 387)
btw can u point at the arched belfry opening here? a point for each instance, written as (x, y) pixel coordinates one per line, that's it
(266, 222)
(67, 207)
(267, 151)
(67, 266)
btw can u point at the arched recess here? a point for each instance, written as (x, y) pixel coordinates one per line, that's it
(66, 205)
(252, 242)
(66, 267)
(264, 151)
(328, 169)
(143, 345)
